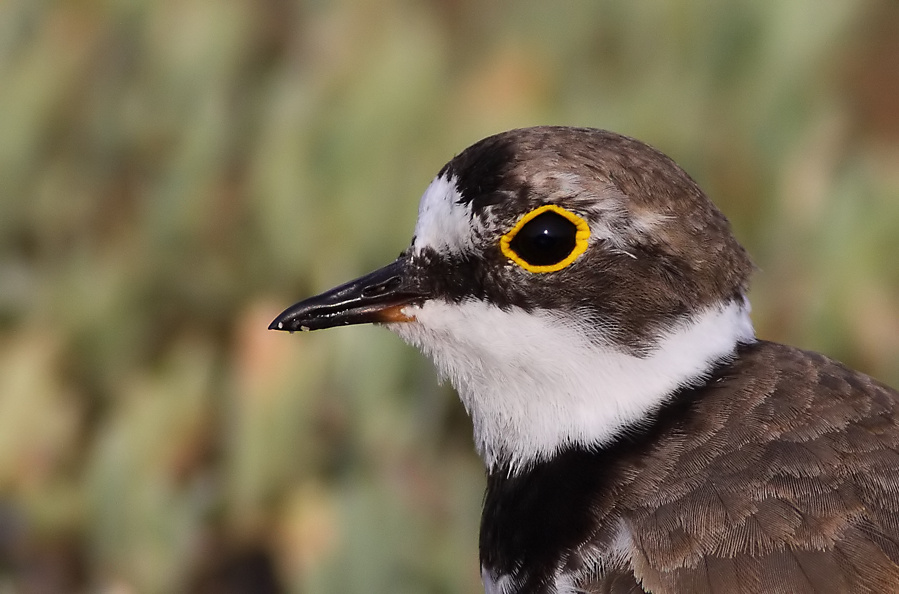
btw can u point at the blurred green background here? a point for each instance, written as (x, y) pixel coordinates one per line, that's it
(174, 173)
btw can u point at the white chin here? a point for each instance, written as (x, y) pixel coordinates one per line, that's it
(536, 382)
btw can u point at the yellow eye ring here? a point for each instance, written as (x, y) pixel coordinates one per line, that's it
(581, 234)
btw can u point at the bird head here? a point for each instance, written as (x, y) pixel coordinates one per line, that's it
(567, 281)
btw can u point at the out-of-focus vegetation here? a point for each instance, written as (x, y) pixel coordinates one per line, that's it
(173, 173)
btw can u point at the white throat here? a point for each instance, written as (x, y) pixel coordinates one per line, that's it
(534, 382)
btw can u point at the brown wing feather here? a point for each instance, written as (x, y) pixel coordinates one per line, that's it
(786, 479)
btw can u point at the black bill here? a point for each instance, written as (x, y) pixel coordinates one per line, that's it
(377, 297)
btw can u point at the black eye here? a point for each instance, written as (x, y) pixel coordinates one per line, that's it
(546, 239)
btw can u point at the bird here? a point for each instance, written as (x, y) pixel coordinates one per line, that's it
(588, 303)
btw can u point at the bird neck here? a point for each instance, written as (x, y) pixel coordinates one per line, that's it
(535, 384)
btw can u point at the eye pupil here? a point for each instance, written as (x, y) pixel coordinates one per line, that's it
(545, 240)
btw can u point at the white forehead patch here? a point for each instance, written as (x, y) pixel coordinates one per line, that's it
(444, 221)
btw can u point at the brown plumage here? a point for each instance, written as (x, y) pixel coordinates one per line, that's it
(781, 476)
(753, 468)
